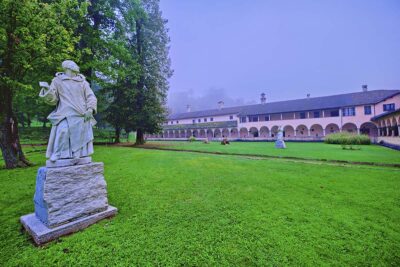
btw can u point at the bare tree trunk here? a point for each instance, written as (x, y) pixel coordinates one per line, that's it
(9, 137)
(139, 137)
(117, 135)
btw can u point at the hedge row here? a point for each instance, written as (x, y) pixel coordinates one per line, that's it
(347, 139)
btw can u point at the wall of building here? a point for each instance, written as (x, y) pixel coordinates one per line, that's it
(215, 119)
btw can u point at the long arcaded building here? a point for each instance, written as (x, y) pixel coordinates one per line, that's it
(375, 113)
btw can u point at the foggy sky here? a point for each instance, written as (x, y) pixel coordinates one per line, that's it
(232, 50)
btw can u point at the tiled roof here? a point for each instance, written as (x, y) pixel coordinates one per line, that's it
(305, 104)
(206, 113)
(217, 124)
(385, 114)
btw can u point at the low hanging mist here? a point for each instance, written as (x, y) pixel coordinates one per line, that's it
(178, 101)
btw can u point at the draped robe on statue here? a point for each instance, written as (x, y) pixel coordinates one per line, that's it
(70, 136)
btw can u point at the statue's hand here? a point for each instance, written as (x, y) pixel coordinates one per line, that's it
(88, 115)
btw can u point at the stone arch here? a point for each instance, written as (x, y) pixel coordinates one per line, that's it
(217, 133)
(382, 128)
(210, 133)
(234, 133)
(395, 129)
(188, 133)
(195, 133)
(202, 133)
(388, 127)
(331, 128)
(288, 131)
(301, 131)
(182, 134)
(369, 128)
(253, 132)
(243, 133)
(274, 130)
(225, 132)
(176, 134)
(349, 127)
(316, 130)
(165, 134)
(264, 131)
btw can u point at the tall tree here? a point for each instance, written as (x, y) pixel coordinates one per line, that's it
(151, 50)
(34, 38)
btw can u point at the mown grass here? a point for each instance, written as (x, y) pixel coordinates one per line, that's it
(363, 153)
(195, 210)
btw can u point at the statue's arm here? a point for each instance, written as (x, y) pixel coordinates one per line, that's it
(49, 94)
(91, 100)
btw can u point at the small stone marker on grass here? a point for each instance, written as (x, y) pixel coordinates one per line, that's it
(71, 192)
(279, 143)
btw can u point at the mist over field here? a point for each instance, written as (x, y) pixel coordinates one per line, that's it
(178, 101)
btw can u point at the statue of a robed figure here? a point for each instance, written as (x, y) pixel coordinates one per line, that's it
(71, 192)
(71, 134)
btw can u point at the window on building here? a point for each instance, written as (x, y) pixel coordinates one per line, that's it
(194, 121)
(367, 110)
(211, 119)
(316, 114)
(302, 115)
(231, 117)
(243, 119)
(350, 111)
(267, 118)
(388, 107)
(253, 118)
(172, 122)
(205, 119)
(177, 122)
(335, 113)
(199, 120)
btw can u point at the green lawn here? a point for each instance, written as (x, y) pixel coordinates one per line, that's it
(197, 209)
(367, 153)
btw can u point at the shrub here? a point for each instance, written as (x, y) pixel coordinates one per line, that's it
(347, 139)
(192, 139)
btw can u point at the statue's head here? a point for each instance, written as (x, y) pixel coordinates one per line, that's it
(70, 65)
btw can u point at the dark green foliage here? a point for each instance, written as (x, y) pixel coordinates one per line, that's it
(347, 139)
(35, 36)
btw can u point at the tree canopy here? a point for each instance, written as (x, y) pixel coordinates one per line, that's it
(120, 45)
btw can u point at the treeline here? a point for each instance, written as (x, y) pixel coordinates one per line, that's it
(121, 47)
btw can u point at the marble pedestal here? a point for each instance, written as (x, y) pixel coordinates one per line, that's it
(67, 199)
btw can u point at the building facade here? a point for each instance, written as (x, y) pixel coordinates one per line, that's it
(374, 113)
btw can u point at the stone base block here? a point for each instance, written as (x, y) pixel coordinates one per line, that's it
(65, 194)
(42, 234)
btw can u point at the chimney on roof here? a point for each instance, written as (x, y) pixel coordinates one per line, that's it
(364, 88)
(308, 95)
(220, 104)
(263, 98)
(188, 108)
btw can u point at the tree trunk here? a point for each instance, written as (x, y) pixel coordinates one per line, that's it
(139, 137)
(9, 137)
(117, 135)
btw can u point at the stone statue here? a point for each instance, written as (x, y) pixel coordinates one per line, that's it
(71, 192)
(71, 135)
(280, 143)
